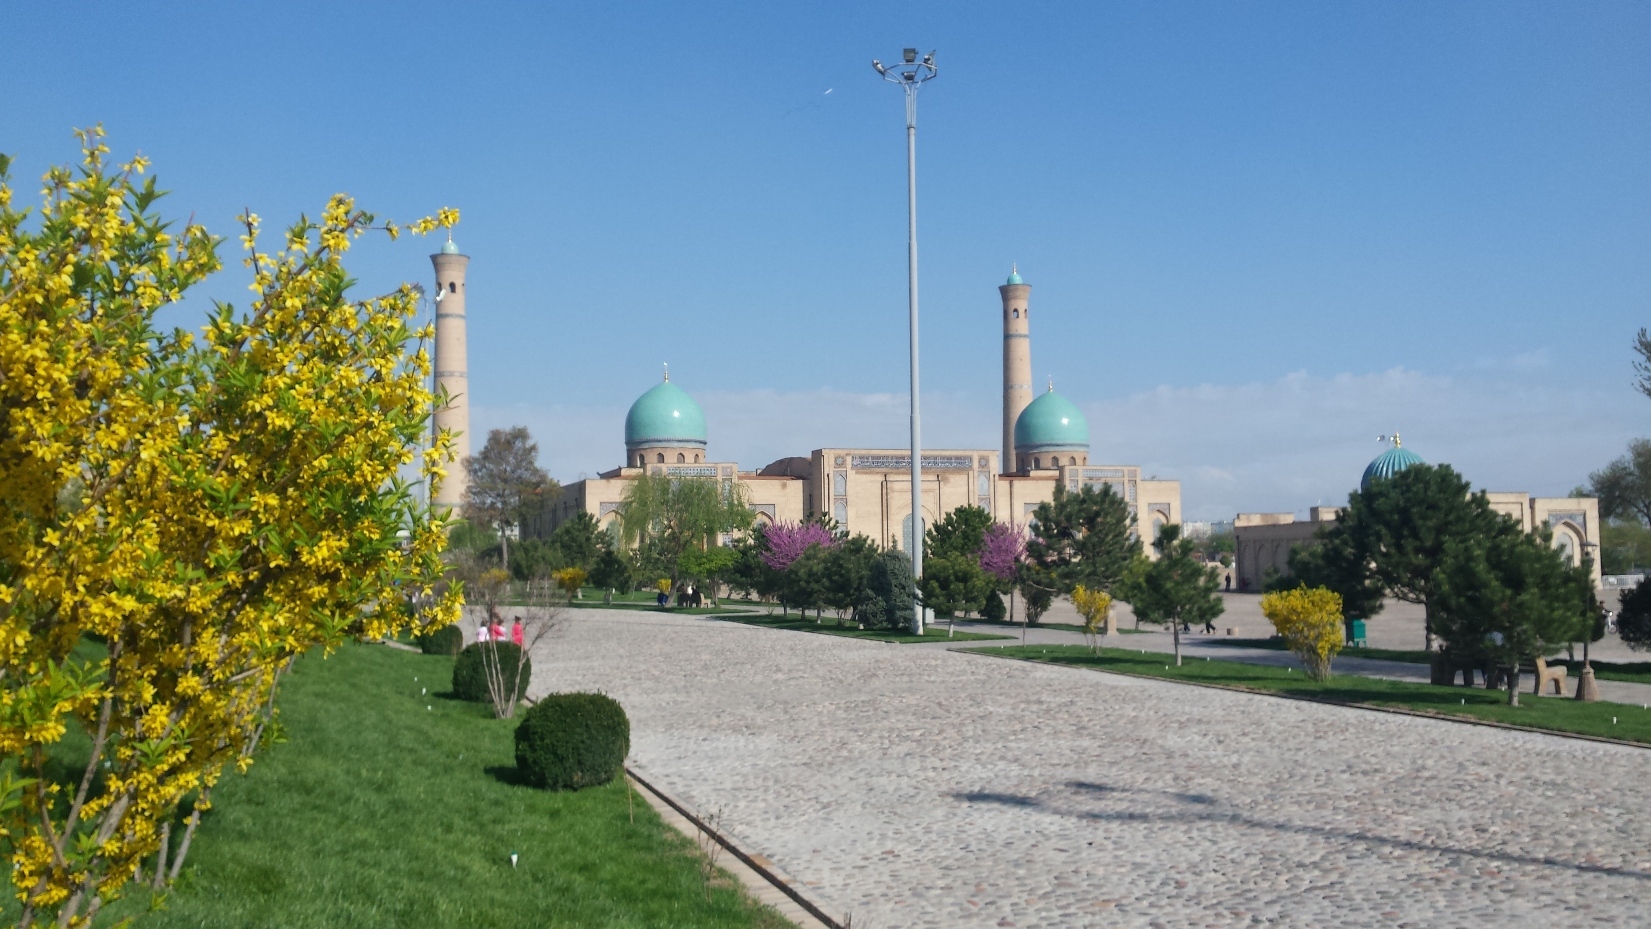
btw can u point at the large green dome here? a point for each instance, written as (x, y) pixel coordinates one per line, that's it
(1051, 422)
(1389, 463)
(665, 415)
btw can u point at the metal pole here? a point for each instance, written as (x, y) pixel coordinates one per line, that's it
(916, 412)
(910, 75)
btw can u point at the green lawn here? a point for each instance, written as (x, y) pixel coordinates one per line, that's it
(934, 632)
(1412, 656)
(1064, 627)
(391, 809)
(1634, 672)
(1558, 714)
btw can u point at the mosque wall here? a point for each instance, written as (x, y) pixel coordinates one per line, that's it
(1264, 540)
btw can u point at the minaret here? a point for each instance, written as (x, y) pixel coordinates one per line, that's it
(1017, 360)
(452, 368)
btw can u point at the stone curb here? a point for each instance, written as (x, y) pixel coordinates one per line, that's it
(761, 879)
(1449, 718)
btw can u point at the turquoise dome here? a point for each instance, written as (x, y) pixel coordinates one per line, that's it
(1014, 276)
(449, 247)
(665, 415)
(1389, 463)
(1051, 422)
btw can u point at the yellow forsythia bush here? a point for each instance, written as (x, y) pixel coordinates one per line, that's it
(1310, 621)
(1095, 606)
(185, 513)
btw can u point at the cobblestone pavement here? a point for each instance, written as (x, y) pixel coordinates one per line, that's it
(917, 787)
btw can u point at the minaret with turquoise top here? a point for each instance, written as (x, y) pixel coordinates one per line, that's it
(452, 366)
(1017, 361)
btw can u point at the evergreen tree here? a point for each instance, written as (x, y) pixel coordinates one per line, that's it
(1176, 588)
(578, 540)
(1081, 537)
(1510, 597)
(1398, 529)
(889, 599)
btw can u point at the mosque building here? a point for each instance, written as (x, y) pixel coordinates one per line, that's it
(867, 491)
(1264, 540)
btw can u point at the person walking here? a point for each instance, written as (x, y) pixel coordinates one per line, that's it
(516, 632)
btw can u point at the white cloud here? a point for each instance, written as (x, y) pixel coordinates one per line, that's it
(1278, 445)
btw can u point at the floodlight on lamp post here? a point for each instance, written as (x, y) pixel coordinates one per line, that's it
(911, 76)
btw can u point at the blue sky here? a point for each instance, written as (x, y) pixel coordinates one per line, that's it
(1258, 234)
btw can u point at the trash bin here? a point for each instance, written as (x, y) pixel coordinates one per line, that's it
(1357, 627)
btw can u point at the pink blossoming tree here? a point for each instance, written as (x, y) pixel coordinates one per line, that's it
(788, 541)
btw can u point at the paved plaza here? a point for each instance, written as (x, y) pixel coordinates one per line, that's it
(913, 786)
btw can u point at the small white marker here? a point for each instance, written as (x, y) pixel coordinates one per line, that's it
(421, 691)
(513, 859)
(429, 707)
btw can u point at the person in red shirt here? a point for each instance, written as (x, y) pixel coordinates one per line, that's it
(516, 631)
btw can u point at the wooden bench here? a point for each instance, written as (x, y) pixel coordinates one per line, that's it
(1556, 674)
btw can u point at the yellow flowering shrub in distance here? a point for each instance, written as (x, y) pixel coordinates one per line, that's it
(1095, 606)
(569, 580)
(1310, 620)
(182, 515)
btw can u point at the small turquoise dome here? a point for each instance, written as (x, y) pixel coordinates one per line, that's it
(1051, 422)
(1389, 463)
(449, 247)
(1014, 275)
(665, 415)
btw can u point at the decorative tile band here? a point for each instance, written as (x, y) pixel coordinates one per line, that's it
(903, 462)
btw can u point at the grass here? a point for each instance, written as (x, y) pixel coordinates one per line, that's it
(1412, 656)
(934, 632)
(388, 808)
(1633, 672)
(1610, 720)
(1064, 627)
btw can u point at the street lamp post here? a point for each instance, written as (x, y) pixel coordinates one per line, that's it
(910, 74)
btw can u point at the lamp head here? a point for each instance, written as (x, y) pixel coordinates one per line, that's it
(879, 66)
(910, 55)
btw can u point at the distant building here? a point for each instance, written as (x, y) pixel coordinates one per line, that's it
(1264, 540)
(868, 490)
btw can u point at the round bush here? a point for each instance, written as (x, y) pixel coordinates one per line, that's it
(470, 674)
(569, 741)
(448, 640)
(994, 608)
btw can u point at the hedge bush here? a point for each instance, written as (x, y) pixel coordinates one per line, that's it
(574, 740)
(470, 675)
(448, 640)
(994, 608)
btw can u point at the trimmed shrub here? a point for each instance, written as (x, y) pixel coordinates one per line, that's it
(470, 675)
(569, 741)
(994, 608)
(448, 640)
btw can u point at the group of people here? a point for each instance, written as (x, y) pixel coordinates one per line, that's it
(493, 630)
(686, 595)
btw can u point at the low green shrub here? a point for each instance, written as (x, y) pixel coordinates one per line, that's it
(470, 674)
(994, 609)
(574, 740)
(448, 640)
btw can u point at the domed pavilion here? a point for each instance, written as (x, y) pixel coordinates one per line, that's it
(1389, 463)
(664, 426)
(1049, 433)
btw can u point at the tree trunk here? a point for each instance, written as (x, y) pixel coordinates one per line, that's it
(1175, 626)
(1513, 685)
(504, 549)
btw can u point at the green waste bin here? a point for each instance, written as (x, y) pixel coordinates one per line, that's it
(1357, 636)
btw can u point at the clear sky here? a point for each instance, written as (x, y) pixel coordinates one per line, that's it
(1258, 234)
